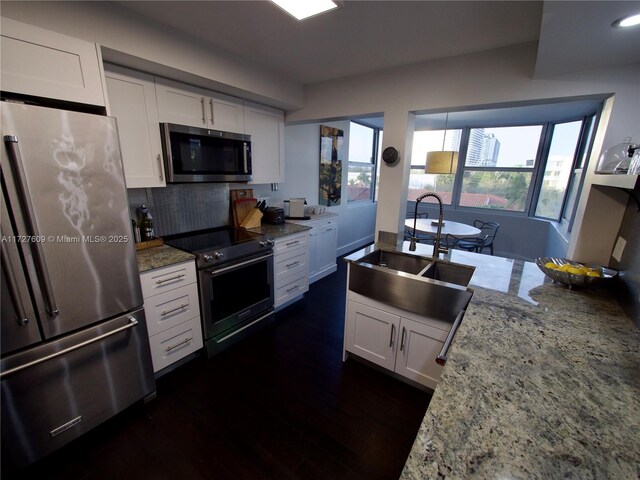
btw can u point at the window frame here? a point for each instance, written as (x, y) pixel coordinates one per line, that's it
(583, 151)
(373, 164)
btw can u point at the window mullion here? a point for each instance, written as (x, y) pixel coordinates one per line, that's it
(462, 155)
(538, 172)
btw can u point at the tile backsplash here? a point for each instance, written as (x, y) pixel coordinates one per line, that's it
(183, 207)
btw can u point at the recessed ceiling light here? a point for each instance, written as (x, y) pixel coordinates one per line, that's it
(628, 21)
(302, 9)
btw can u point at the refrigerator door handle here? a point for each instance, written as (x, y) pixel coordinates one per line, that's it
(13, 151)
(132, 323)
(13, 290)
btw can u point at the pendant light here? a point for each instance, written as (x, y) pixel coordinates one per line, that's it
(445, 161)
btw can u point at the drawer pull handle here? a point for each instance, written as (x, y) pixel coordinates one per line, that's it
(132, 323)
(289, 265)
(292, 243)
(441, 359)
(167, 312)
(186, 340)
(160, 168)
(177, 277)
(289, 290)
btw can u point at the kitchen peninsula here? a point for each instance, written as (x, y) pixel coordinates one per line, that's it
(541, 382)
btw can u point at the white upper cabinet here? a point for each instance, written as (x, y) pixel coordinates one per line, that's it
(186, 105)
(47, 64)
(132, 100)
(266, 127)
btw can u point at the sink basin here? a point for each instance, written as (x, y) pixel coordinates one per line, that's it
(396, 261)
(449, 272)
(423, 285)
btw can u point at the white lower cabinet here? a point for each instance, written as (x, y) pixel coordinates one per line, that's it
(323, 239)
(291, 267)
(386, 337)
(173, 313)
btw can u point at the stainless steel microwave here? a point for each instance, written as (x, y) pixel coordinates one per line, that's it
(194, 154)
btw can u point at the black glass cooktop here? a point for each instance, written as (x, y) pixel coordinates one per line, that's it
(210, 239)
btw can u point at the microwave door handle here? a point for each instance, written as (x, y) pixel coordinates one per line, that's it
(245, 151)
(15, 160)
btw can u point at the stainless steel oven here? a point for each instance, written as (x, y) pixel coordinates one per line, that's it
(235, 297)
(235, 281)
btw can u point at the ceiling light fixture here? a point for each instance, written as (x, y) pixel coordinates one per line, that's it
(628, 21)
(302, 9)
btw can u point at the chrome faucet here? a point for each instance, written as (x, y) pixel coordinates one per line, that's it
(437, 250)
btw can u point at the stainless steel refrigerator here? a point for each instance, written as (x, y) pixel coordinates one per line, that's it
(75, 349)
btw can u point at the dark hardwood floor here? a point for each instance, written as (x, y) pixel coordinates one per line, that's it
(278, 405)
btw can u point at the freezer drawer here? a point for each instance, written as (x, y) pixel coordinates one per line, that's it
(46, 404)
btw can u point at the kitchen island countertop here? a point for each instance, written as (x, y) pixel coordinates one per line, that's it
(161, 256)
(541, 382)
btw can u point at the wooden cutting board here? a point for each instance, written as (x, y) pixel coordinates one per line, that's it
(239, 194)
(241, 208)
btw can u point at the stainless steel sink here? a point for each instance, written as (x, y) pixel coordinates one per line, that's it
(423, 285)
(449, 272)
(401, 262)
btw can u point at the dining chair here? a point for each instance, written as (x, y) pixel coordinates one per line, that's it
(471, 244)
(489, 230)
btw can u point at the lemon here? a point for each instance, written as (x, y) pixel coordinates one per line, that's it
(593, 273)
(551, 265)
(575, 270)
(565, 267)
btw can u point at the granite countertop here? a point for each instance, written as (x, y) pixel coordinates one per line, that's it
(312, 217)
(541, 382)
(162, 256)
(281, 230)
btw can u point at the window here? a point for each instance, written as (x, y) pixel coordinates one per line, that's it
(528, 169)
(363, 154)
(420, 182)
(558, 169)
(499, 166)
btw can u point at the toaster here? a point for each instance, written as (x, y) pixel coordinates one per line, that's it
(273, 215)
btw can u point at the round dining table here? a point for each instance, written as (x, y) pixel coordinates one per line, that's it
(429, 226)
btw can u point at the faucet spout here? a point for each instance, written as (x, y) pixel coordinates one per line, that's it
(436, 245)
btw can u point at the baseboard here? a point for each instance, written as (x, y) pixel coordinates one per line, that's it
(350, 247)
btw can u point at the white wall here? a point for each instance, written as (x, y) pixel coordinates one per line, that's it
(356, 222)
(493, 78)
(139, 43)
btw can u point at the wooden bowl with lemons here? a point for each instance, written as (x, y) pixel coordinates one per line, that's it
(573, 273)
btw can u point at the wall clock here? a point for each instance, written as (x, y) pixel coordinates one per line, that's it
(390, 155)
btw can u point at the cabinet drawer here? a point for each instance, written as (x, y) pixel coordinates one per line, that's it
(291, 242)
(292, 263)
(290, 289)
(163, 279)
(175, 343)
(171, 308)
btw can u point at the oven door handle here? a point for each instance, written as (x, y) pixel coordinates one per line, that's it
(238, 265)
